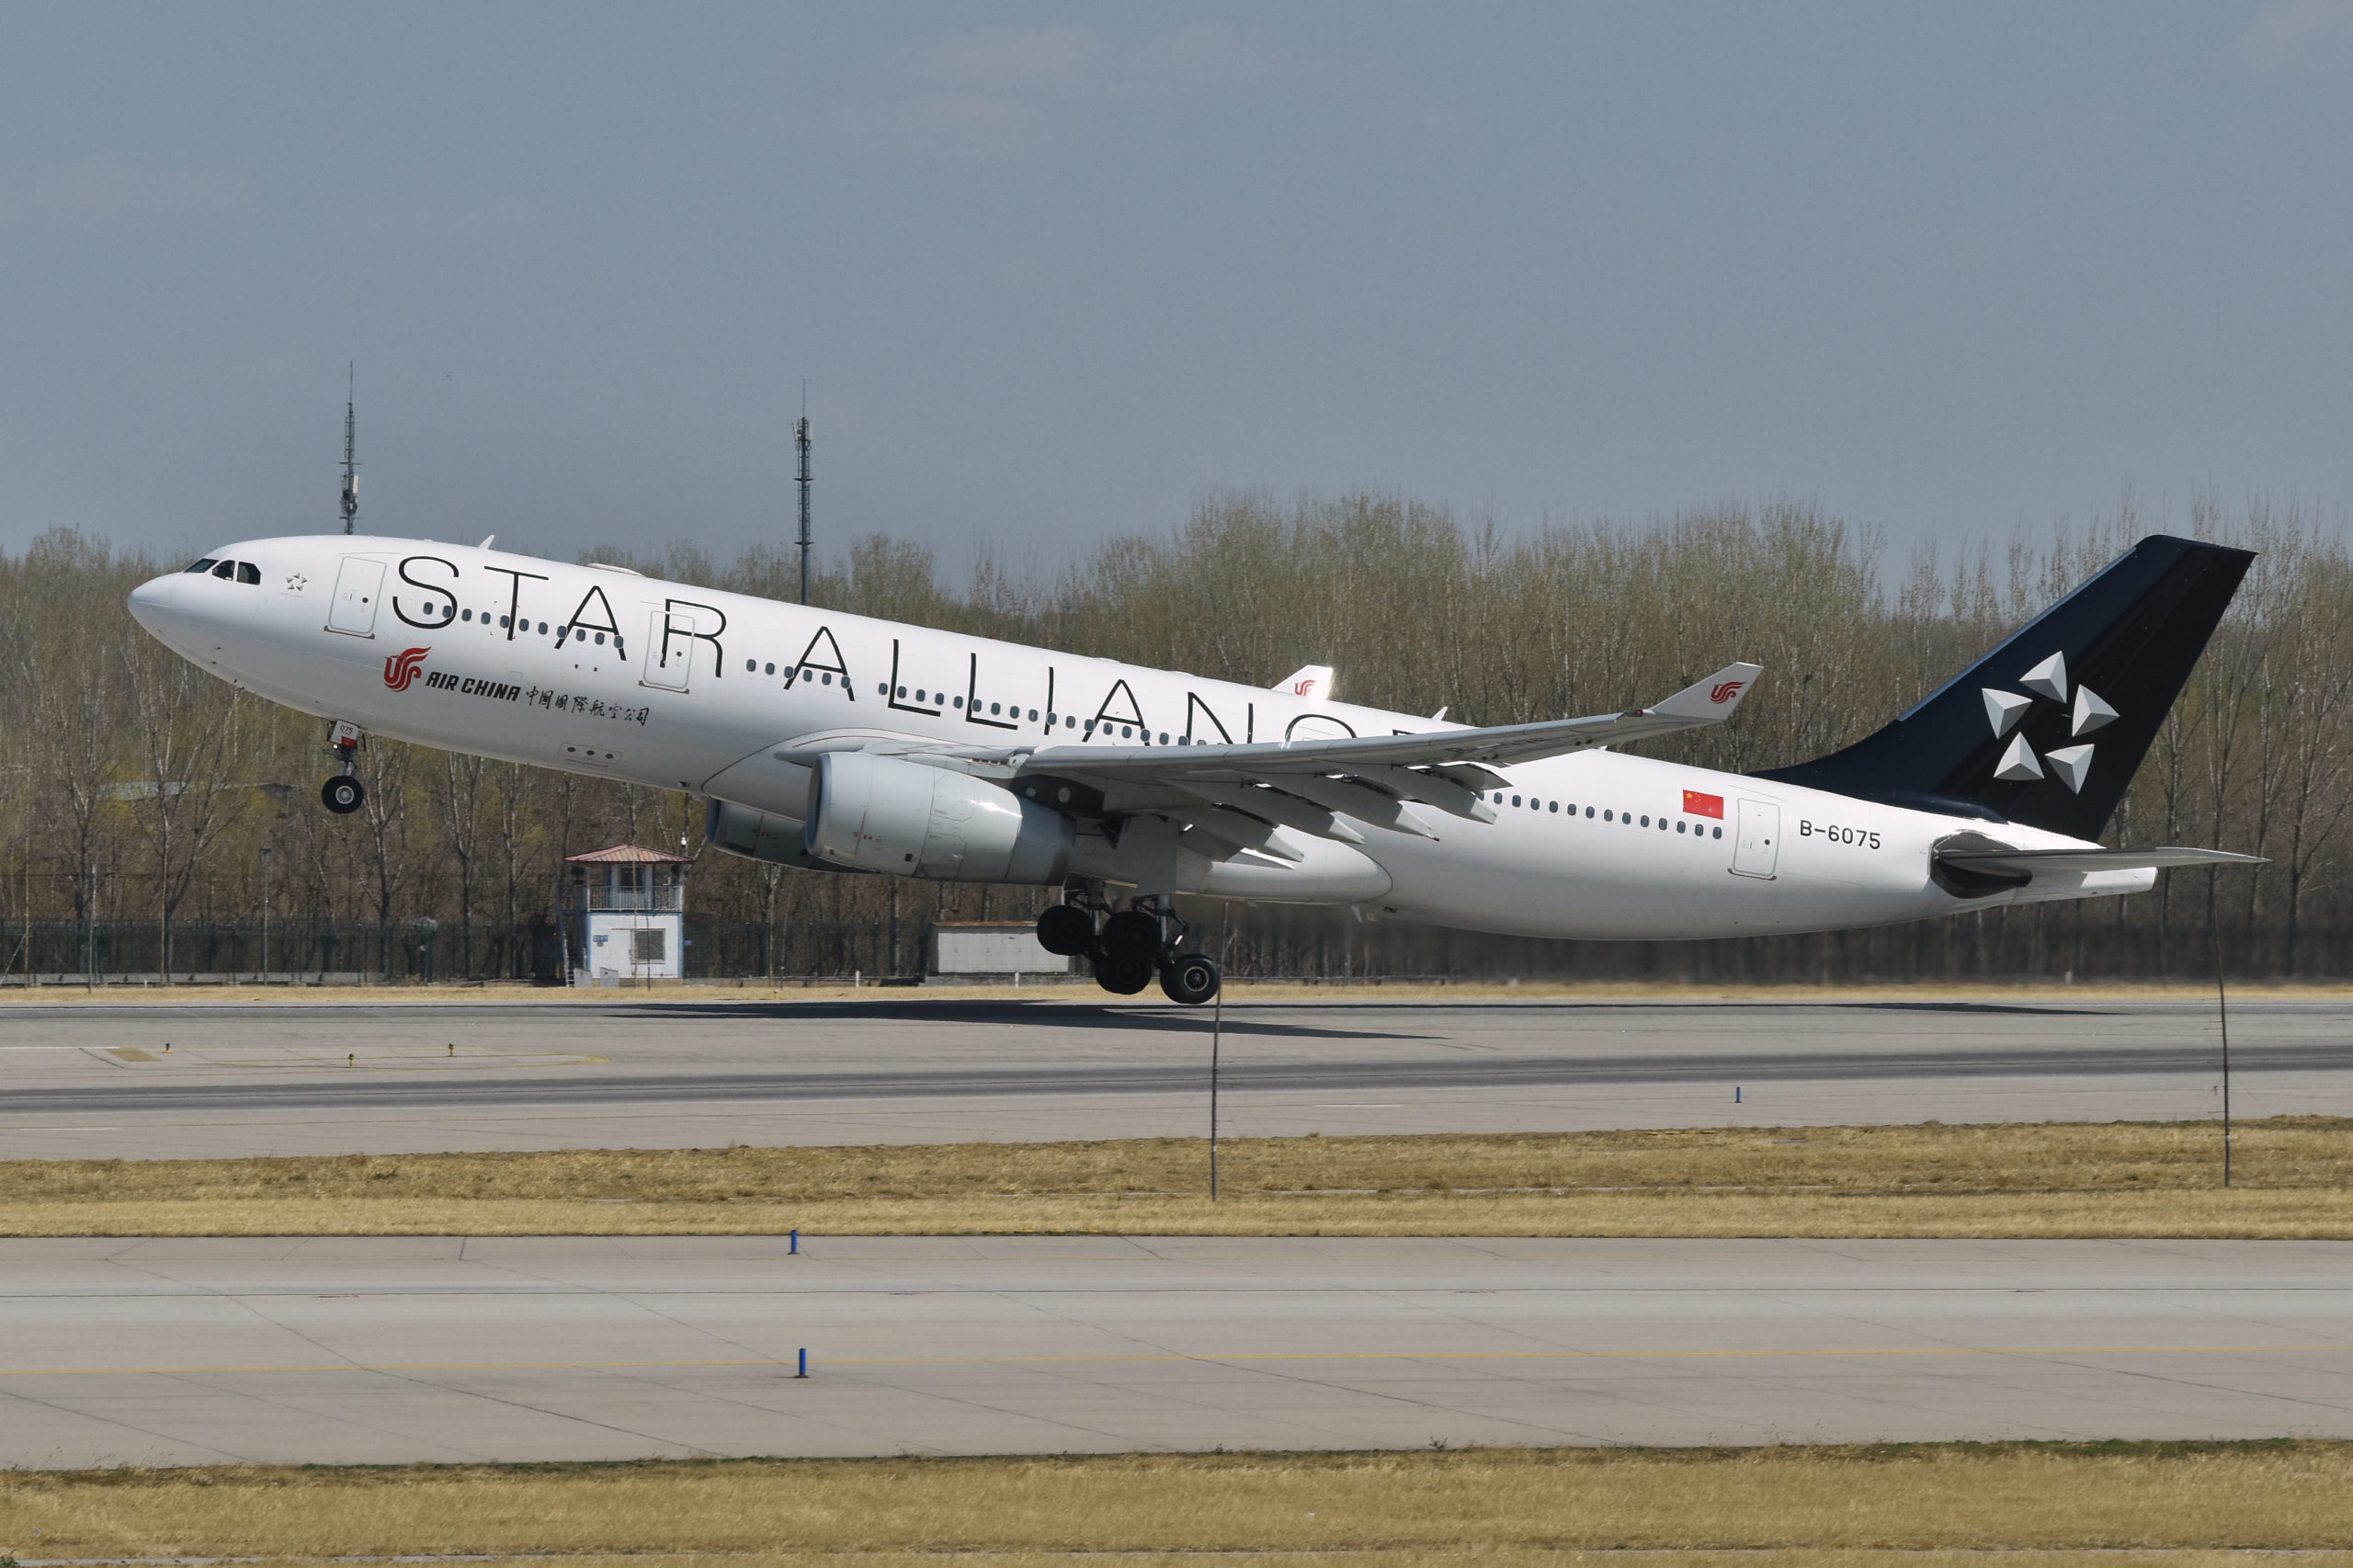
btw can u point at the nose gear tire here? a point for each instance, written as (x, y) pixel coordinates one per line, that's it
(342, 795)
(1066, 930)
(1189, 978)
(1123, 974)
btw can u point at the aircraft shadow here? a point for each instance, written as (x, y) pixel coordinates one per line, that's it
(1060, 1015)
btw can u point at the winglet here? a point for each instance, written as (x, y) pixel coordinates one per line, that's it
(1713, 699)
(1311, 681)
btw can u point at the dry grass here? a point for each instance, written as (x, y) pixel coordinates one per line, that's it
(1507, 1504)
(2294, 1179)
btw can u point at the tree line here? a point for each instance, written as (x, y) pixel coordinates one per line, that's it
(153, 815)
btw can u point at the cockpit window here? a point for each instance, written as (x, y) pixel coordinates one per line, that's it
(225, 570)
(204, 565)
(248, 573)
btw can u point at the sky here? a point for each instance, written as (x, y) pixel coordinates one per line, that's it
(1052, 273)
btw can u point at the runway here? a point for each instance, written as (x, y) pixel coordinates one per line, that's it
(97, 1079)
(390, 1349)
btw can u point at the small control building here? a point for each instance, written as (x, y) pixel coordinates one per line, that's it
(625, 916)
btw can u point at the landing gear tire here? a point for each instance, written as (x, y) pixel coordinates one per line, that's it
(1066, 931)
(1132, 934)
(342, 795)
(1123, 974)
(1189, 978)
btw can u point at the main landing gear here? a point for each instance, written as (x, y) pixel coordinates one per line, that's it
(342, 793)
(1130, 947)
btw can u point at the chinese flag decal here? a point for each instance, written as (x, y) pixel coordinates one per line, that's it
(1698, 805)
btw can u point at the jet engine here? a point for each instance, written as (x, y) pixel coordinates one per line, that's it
(881, 814)
(756, 835)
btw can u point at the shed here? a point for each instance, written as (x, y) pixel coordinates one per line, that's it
(625, 916)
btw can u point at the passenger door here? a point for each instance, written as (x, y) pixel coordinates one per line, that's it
(670, 649)
(356, 588)
(1754, 848)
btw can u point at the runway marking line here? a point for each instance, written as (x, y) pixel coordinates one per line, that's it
(1244, 1356)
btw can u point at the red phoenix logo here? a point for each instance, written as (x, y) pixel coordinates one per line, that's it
(399, 670)
(1725, 690)
(1301, 688)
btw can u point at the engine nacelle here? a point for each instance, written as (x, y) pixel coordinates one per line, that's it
(763, 836)
(880, 813)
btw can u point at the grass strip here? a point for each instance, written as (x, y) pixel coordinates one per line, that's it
(2294, 1180)
(1416, 1506)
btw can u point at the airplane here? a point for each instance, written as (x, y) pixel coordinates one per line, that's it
(841, 743)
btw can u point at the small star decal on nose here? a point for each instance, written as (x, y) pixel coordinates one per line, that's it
(296, 581)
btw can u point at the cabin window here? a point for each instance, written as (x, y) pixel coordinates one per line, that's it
(600, 640)
(204, 565)
(771, 670)
(829, 679)
(1646, 822)
(248, 573)
(994, 708)
(1163, 737)
(543, 629)
(1680, 826)
(504, 622)
(1719, 833)
(751, 666)
(1555, 807)
(1588, 811)
(1607, 816)
(959, 702)
(1033, 715)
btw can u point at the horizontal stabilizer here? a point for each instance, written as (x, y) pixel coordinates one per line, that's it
(2027, 862)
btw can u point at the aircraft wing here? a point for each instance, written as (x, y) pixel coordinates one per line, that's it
(2029, 862)
(1240, 793)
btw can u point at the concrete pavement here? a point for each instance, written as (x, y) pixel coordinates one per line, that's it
(95, 1080)
(387, 1349)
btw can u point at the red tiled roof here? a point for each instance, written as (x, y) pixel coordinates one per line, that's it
(627, 855)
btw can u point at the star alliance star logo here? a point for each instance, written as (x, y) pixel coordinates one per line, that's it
(2005, 709)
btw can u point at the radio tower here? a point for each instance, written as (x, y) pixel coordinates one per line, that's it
(351, 452)
(801, 440)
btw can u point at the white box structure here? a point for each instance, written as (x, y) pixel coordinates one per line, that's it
(625, 916)
(975, 947)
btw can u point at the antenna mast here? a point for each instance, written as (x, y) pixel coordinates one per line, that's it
(801, 440)
(350, 450)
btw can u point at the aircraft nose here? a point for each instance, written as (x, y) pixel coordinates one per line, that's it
(151, 602)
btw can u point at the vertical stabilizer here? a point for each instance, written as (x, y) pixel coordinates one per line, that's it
(2049, 728)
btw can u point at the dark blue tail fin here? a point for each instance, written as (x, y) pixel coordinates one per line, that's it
(2049, 728)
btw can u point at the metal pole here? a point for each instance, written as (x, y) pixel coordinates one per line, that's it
(264, 914)
(1217, 1033)
(801, 440)
(2223, 1012)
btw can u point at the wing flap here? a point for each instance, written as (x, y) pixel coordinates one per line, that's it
(1707, 702)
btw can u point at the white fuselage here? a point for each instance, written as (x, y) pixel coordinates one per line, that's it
(605, 672)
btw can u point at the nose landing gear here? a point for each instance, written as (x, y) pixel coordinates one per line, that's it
(342, 793)
(1129, 947)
